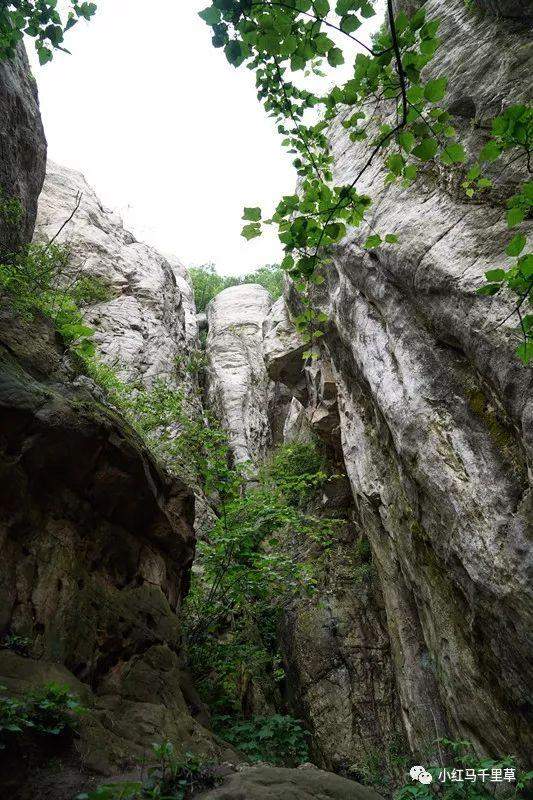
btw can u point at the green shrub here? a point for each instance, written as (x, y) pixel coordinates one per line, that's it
(34, 280)
(89, 290)
(278, 739)
(459, 755)
(17, 644)
(250, 570)
(207, 283)
(49, 710)
(168, 778)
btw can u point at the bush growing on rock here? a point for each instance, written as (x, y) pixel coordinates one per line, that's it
(49, 710)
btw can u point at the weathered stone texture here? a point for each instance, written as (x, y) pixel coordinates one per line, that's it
(97, 545)
(268, 783)
(22, 146)
(149, 323)
(436, 416)
(237, 381)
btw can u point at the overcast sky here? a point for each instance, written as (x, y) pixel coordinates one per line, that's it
(166, 131)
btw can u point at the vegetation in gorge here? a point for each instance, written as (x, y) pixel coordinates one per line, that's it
(50, 710)
(449, 780)
(385, 104)
(248, 571)
(207, 283)
(165, 777)
(41, 20)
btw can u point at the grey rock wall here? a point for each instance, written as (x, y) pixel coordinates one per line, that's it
(436, 415)
(22, 146)
(237, 381)
(419, 394)
(148, 326)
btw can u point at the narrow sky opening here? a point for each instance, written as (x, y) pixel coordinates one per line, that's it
(166, 131)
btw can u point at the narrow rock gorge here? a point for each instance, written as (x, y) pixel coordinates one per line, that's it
(418, 622)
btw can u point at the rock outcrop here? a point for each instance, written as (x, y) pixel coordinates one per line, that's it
(22, 147)
(146, 327)
(268, 783)
(97, 545)
(238, 382)
(436, 419)
(421, 399)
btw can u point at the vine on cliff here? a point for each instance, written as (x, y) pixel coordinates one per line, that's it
(387, 103)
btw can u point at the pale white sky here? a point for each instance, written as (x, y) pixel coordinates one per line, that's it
(166, 131)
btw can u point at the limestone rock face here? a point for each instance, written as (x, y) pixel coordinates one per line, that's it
(96, 548)
(22, 146)
(149, 319)
(269, 783)
(237, 380)
(436, 417)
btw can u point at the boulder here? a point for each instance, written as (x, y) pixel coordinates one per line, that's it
(270, 783)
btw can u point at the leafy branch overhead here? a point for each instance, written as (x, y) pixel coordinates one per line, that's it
(41, 20)
(386, 104)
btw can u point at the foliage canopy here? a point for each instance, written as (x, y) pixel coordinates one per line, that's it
(207, 283)
(41, 20)
(387, 104)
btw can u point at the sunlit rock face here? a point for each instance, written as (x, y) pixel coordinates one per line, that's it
(147, 326)
(419, 396)
(237, 380)
(22, 146)
(436, 414)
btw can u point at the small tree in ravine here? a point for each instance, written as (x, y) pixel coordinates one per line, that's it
(387, 105)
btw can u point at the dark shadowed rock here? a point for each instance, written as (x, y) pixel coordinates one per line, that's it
(96, 545)
(22, 145)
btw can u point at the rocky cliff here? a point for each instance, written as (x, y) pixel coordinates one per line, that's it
(420, 396)
(97, 545)
(22, 147)
(421, 623)
(96, 538)
(145, 326)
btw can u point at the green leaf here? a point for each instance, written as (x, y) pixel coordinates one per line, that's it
(234, 53)
(251, 231)
(391, 238)
(453, 153)
(252, 214)
(426, 150)
(525, 352)
(490, 152)
(210, 15)
(489, 289)
(525, 265)
(435, 90)
(350, 23)
(415, 94)
(516, 245)
(321, 8)
(515, 216)
(373, 241)
(406, 140)
(495, 275)
(335, 57)
(45, 55)
(367, 9)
